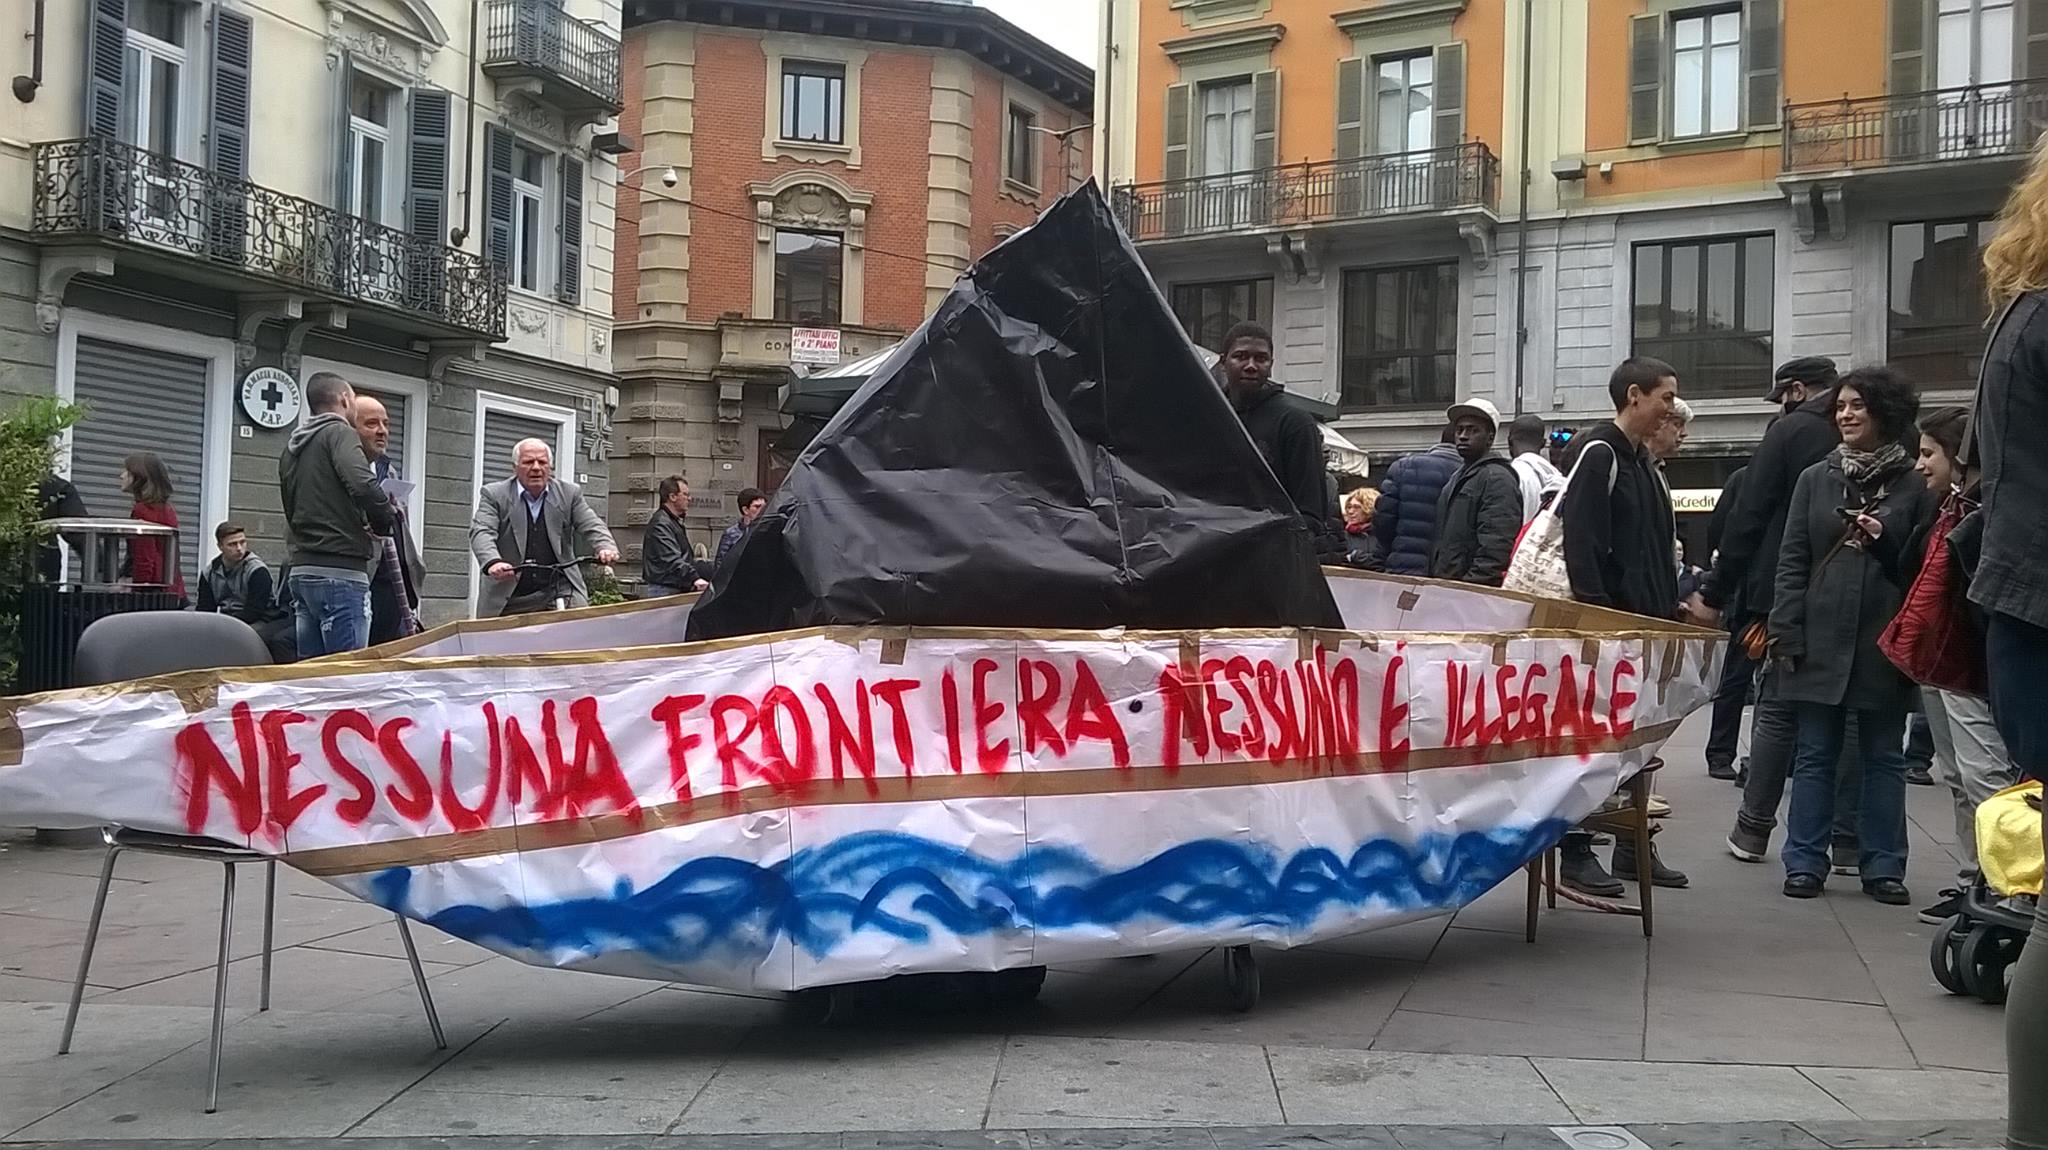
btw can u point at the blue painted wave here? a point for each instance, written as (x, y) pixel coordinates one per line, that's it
(908, 887)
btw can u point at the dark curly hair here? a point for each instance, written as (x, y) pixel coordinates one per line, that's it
(1889, 397)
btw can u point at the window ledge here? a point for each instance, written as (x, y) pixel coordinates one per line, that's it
(814, 152)
(1719, 141)
(1019, 191)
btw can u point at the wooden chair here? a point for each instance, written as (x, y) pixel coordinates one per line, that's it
(1631, 819)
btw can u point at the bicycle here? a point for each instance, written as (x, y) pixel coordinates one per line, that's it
(562, 590)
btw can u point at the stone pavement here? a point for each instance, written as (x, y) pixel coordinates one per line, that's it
(1750, 1020)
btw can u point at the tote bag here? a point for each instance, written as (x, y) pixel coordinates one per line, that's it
(1537, 566)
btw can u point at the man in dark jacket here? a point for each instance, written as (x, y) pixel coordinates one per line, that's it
(1738, 670)
(1741, 587)
(1404, 520)
(333, 512)
(395, 584)
(667, 564)
(1286, 434)
(1479, 513)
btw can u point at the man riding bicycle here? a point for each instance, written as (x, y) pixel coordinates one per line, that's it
(525, 536)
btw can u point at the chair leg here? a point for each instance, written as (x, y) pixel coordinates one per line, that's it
(220, 986)
(269, 929)
(419, 979)
(1550, 878)
(92, 937)
(1644, 885)
(1535, 869)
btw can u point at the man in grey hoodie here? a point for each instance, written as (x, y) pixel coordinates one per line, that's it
(333, 508)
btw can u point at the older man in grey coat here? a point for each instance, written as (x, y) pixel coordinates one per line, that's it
(533, 518)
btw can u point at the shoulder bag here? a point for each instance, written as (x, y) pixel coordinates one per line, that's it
(1538, 566)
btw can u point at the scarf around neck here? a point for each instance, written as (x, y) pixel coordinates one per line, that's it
(1866, 467)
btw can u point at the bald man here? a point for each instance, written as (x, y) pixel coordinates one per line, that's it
(533, 517)
(395, 581)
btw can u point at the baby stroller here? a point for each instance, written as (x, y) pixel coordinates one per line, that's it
(1974, 952)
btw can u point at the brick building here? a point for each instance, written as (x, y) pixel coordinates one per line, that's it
(835, 164)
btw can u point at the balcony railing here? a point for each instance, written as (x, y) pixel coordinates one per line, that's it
(1332, 191)
(101, 189)
(577, 63)
(1986, 121)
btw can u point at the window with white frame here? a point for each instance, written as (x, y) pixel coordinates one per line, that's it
(370, 158)
(1706, 72)
(529, 213)
(1404, 104)
(152, 108)
(1226, 127)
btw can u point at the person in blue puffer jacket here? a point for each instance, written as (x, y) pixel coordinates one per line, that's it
(1404, 520)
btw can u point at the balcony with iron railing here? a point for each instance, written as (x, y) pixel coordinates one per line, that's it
(1988, 121)
(573, 64)
(203, 226)
(1463, 177)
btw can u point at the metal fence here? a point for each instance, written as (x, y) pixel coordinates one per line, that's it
(538, 34)
(1443, 179)
(108, 190)
(1915, 127)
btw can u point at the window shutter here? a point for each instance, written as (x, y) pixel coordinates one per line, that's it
(498, 197)
(1763, 41)
(426, 165)
(1350, 108)
(227, 133)
(569, 281)
(1265, 119)
(107, 34)
(1178, 97)
(344, 159)
(1908, 72)
(1645, 78)
(2033, 64)
(1450, 94)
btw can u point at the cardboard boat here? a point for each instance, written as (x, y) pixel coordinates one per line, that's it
(835, 805)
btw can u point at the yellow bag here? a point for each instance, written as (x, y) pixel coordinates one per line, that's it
(2009, 839)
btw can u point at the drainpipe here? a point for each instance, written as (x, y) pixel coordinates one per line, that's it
(25, 86)
(460, 234)
(1108, 115)
(1522, 211)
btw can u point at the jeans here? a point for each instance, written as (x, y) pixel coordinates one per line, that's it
(1773, 735)
(1881, 822)
(333, 615)
(1920, 735)
(1972, 761)
(2016, 661)
(1738, 671)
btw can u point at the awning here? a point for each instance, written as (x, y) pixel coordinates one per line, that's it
(1342, 456)
(820, 394)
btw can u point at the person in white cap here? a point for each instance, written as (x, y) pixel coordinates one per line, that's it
(1479, 512)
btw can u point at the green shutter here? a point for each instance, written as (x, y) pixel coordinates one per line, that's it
(344, 158)
(106, 33)
(2033, 61)
(1645, 78)
(1449, 129)
(1763, 46)
(498, 198)
(1350, 108)
(1910, 20)
(1265, 119)
(1178, 97)
(569, 277)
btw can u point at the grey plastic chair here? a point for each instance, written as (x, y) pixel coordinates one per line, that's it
(148, 643)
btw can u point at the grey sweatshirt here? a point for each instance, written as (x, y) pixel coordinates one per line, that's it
(332, 502)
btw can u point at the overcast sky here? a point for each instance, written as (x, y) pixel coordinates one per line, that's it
(1072, 26)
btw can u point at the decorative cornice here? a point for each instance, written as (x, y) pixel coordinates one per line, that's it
(1397, 15)
(1233, 41)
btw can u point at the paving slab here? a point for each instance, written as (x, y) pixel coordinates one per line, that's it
(463, 1114)
(626, 1061)
(1719, 1026)
(831, 1081)
(1341, 1087)
(1725, 1136)
(1949, 1135)
(486, 993)
(302, 979)
(1409, 942)
(1423, 1032)
(1581, 976)
(1887, 1095)
(1617, 1093)
(1049, 1081)
(1304, 1138)
(1307, 998)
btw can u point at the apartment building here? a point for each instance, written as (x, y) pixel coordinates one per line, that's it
(1725, 185)
(202, 202)
(812, 175)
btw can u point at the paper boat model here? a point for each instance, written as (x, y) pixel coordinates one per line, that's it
(802, 796)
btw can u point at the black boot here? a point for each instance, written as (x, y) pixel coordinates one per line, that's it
(1579, 868)
(1660, 875)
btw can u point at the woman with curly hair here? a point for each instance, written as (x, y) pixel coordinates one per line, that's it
(1853, 537)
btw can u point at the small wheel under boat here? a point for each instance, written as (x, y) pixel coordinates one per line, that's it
(1240, 978)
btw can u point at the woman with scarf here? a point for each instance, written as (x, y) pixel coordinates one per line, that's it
(1853, 538)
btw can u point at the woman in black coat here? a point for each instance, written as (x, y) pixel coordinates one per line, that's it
(1853, 538)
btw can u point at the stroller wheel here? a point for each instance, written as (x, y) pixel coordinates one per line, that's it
(1985, 960)
(1943, 955)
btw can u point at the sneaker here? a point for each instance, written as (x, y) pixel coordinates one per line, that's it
(1660, 875)
(1845, 857)
(1949, 905)
(1658, 807)
(1920, 775)
(1889, 891)
(1803, 886)
(1748, 845)
(1722, 771)
(1580, 870)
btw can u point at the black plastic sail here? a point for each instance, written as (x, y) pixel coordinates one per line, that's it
(1046, 451)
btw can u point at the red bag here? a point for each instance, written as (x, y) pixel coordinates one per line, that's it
(1933, 639)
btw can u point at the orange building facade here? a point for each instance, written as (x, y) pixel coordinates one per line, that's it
(810, 178)
(1725, 184)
